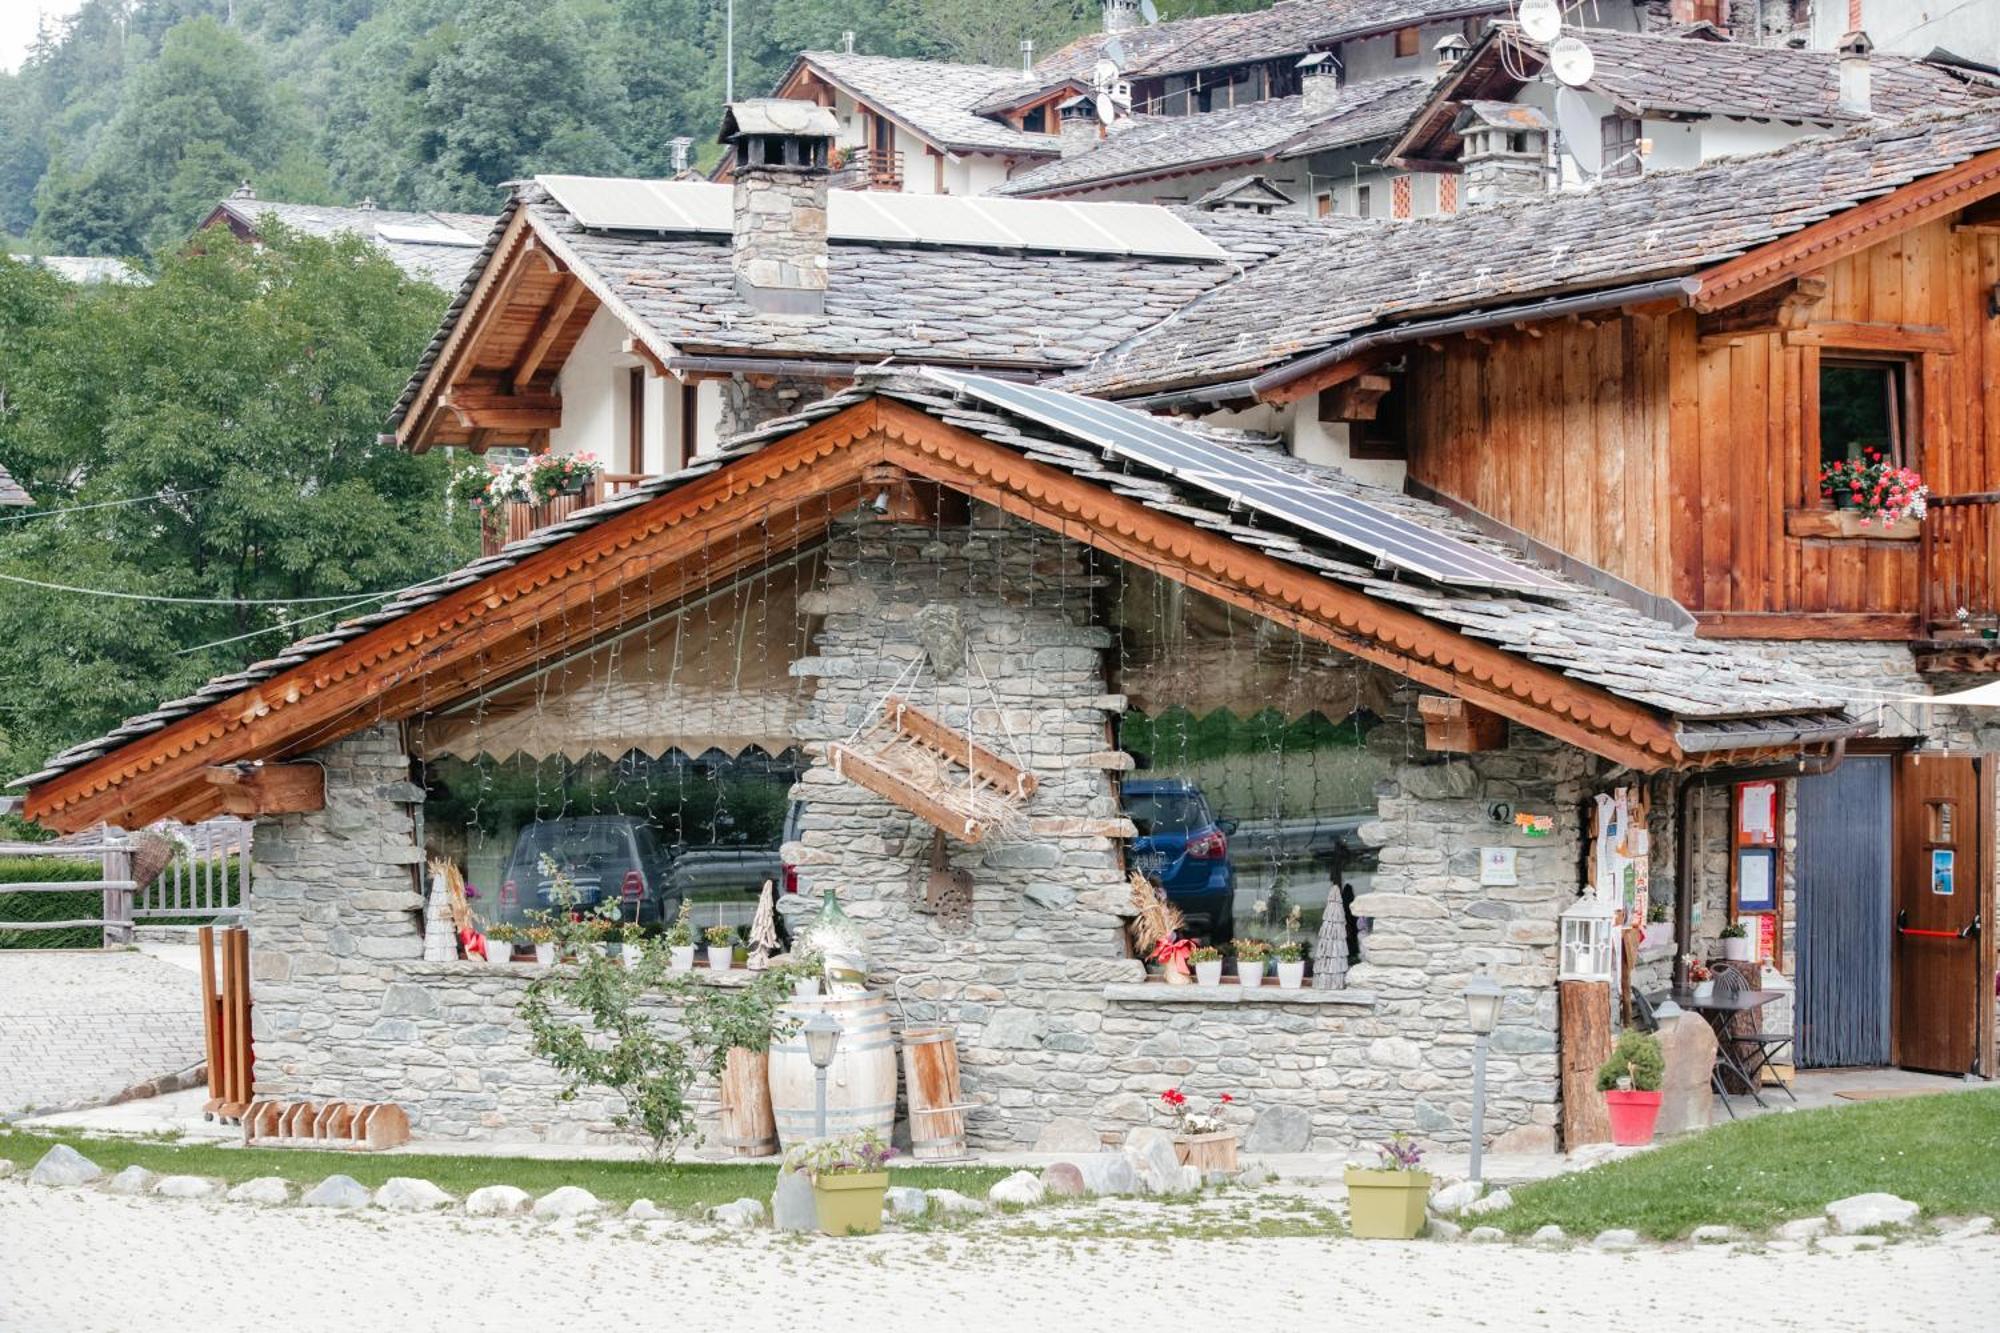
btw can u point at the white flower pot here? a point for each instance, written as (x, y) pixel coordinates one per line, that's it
(805, 988)
(1704, 990)
(1736, 950)
(631, 954)
(499, 953)
(720, 959)
(1291, 975)
(545, 955)
(682, 957)
(1209, 974)
(1249, 974)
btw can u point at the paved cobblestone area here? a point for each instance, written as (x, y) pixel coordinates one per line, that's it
(79, 1026)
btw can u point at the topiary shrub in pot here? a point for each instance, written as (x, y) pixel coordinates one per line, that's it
(1630, 1081)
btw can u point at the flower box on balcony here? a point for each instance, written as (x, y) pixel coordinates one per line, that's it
(1848, 525)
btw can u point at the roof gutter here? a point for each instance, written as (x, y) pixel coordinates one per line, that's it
(1680, 290)
(829, 370)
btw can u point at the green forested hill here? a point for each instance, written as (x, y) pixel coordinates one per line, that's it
(128, 121)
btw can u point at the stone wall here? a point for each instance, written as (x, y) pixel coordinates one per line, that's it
(1057, 1025)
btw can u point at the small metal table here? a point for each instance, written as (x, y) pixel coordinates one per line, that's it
(1719, 1011)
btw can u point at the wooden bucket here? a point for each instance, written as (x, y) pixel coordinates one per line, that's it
(930, 1079)
(860, 1083)
(746, 1127)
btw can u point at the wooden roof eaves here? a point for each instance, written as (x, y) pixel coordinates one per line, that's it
(1347, 618)
(595, 283)
(1482, 62)
(1846, 232)
(421, 408)
(425, 640)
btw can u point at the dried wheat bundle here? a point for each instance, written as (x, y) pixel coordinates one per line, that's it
(943, 779)
(1157, 918)
(446, 872)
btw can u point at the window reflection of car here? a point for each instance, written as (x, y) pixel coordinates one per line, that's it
(614, 856)
(1184, 848)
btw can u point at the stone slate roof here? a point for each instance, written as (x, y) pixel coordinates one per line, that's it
(1660, 225)
(1036, 310)
(1288, 28)
(1162, 145)
(12, 495)
(443, 266)
(934, 98)
(87, 270)
(1717, 693)
(1651, 74)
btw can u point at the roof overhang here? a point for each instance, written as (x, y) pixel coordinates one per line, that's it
(803, 64)
(641, 558)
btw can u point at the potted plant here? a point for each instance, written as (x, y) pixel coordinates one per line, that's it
(631, 943)
(1659, 931)
(500, 943)
(803, 968)
(1630, 1082)
(849, 1175)
(1736, 943)
(1201, 1140)
(1291, 953)
(1872, 496)
(680, 940)
(1250, 955)
(543, 937)
(1387, 1202)
(721, 947)
(1207, 961)
(552, 475)
(1700, 976)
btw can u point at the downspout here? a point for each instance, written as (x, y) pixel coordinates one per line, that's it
(1680, 290)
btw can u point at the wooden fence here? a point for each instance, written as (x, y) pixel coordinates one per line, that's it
(114, 884)
(207, 878)
(210, 878)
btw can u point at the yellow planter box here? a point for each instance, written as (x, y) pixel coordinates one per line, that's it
(1386, 1205)
(850, 1205)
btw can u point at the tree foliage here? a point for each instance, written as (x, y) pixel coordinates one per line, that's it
(238, 401)
(130, 118)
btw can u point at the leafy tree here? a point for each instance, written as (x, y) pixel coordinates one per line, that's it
(239, 399)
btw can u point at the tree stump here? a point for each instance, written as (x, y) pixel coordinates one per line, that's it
(1586, 1044)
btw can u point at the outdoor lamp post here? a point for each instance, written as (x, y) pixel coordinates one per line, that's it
(1482, 1011)
(822, 1038)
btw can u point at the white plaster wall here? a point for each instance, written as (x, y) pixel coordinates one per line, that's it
(592, 385)
(708, 416)
(1913, 27)
(1313, 440)
(1721, 137)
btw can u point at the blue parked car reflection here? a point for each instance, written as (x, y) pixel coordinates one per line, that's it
(1185, 848)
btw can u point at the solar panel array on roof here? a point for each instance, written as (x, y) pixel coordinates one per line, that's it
(613, 204)
(420, 235)
(1241, 479)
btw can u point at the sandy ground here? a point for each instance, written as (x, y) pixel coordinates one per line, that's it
(75, 1260)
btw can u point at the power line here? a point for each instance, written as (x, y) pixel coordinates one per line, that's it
(270, 629)
(205, 601)
(101, 504)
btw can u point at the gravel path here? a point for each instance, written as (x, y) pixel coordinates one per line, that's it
(79, 1026)
(75, 1260)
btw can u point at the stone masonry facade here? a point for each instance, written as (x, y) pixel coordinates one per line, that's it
(1055, 1022)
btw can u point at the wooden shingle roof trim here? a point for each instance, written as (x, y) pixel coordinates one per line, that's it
(1581, 667)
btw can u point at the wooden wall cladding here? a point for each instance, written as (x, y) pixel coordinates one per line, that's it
(1671, 459)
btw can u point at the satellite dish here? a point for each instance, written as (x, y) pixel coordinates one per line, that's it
(1571, 62)
(1107, 110)
(1148, 11)
(1581, 135)
(1541, 20)
(1114, 51)
(1103, 74)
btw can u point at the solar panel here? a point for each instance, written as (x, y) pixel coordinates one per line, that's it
(433, 235)
(1390, 539)
(614, 204)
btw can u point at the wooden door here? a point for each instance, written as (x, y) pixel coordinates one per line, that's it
(1942, 990)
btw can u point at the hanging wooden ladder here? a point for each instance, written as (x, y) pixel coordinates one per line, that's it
(938, 774)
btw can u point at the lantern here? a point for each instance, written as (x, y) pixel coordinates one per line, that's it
(1589, 937)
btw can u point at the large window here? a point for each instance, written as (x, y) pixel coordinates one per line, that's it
(1864, 404)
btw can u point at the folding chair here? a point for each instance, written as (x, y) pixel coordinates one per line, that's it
(1729, 984)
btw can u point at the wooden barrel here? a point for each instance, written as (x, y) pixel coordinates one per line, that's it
(930, 1080)
(860, 1083)
(746, 1127)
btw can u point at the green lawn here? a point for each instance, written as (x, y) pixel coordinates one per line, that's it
(687, 1185)
(1942, 1152)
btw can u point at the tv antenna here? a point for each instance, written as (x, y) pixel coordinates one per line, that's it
(1581, 137)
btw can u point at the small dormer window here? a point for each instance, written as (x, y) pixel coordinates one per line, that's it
(1517, 143)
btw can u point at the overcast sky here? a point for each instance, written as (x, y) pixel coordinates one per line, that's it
(18, 21)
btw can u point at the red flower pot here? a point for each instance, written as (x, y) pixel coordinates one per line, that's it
(1633, 1115)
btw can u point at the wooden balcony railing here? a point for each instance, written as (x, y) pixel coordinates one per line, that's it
(518, 520)
(1958, 567)
(885, 169)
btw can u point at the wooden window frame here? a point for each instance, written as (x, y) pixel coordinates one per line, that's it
(1409, 42)
(1916, 351)
(1618, 140)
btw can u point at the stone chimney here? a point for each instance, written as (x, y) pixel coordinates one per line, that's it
(1121, 15)
(1450, 49)
(1077, 119)
(778, 243)
(1319, 83)
(1504, 150)
(1856, 77)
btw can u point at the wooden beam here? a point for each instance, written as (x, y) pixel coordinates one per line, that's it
(491, 282)
(251, 789)
(1356, 400)
(1787, 306)
(1856, 336)
(1805, 625)
(547, 329)
(1849, 231)
(1457, 727)
(481, 408)
(634, 347)
(1326, 377)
